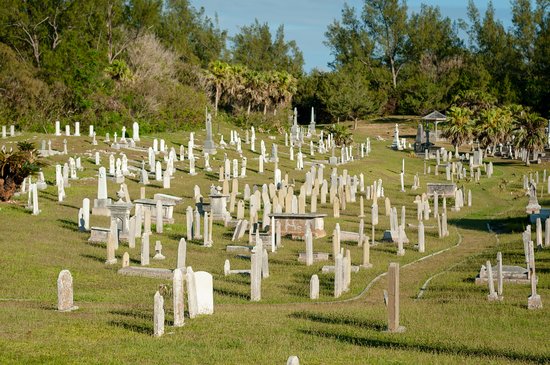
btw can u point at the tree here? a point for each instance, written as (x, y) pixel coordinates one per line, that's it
(530, 133)
(190, 33)
(494, 49)
(349, 95)
(341, 134)
(218, 77)
(459, 127)
(386, 21)
(16, 166)
(493, 126)
(255, 48)
(349, 40)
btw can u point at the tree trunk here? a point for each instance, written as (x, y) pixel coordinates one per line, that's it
(355, 124)
(527, 162)
(393, 73)
(217, 100)
(248, 110)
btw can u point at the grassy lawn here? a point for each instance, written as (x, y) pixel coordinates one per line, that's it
(452, 323)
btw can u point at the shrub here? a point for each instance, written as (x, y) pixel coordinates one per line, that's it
(16, 166)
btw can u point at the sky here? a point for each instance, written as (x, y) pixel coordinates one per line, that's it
(306, 21)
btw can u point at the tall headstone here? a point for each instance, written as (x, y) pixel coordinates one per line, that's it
(135, 132)
(421, 238)
(492, 293)
(209, 146)
(191, 293)
(178, 295)
(393, 298)
(182, 254)
(158, 315)
(112, 243)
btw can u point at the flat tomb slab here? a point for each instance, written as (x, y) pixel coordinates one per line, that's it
(232, 248)
(329, 269)
(510, 274)
(147, 272)
(317, 256)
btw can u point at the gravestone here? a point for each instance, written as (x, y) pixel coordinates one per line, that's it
(65, 292)
(191, 293)
(182, 254)
(393, 299)
(158, 315)
(178, 296)
(204, 292)
(314, 287)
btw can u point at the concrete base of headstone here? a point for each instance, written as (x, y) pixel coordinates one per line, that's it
(534, 302)
(389, 237)
(99, 234)
(317, 256)
(330, 269)
(238, 248)
(510, 274)
(494, 297)
(400, 329)
(147, 272)
(367, 266)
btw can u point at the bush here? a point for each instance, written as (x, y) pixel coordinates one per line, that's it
(16, 166)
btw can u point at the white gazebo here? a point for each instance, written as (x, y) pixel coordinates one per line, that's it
(435, 117)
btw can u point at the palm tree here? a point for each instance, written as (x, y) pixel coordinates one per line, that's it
(217, 76)
(460, 126)
(530, 133)
(493, 126)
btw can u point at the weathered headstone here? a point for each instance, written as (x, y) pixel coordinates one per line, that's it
(158, 315)
(393, 299)
(65, 292)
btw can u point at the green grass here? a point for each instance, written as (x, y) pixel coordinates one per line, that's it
(452, 323)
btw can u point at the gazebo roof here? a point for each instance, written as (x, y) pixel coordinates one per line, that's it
(435, 116)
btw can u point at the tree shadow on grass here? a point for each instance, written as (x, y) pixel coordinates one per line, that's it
(95, 258)
(334, 319)
(427, 348)
(503, 225)
(65, 223)
(134, 327)
(96, 244)
(232, 293)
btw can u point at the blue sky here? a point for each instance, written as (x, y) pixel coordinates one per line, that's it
(306, 20)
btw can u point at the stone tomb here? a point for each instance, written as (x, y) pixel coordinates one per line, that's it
(99, 234)
(168, 199)
(442, 190)
(121, 213)
(218, 205)
(294, 225)
(510, 274)
(151, 204)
